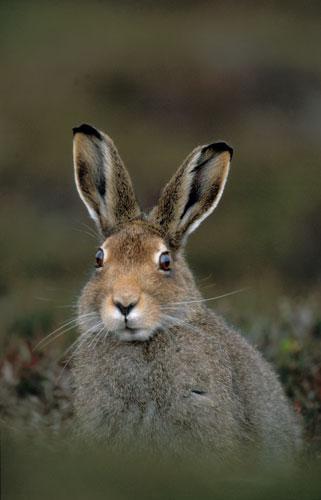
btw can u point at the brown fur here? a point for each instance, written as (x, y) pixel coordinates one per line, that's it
(193, 383)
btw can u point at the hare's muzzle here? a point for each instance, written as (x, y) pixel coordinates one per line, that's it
(124, 307)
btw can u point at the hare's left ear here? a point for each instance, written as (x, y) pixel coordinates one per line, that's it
(102, 180)
(193, 193)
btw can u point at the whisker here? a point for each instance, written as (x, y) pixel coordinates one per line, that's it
(98, 334)
(66, 351)
(82, 231)
(93, 231)
(90, 345)
(208, 299)
(72, 322)
(192, 297)
(49, 341)
(44, 299)
(175, 321)
(80, 342)
(68, 306)
(106, 334)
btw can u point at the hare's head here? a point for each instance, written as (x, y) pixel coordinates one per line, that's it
(141, 280)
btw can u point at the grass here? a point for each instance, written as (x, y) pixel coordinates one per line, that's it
(32, 472)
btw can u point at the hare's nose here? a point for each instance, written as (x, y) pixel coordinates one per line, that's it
(124, 309)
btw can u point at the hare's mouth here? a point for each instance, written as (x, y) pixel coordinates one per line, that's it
(129, 334)
(131, 330)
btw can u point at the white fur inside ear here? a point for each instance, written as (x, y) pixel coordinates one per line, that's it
(91, 211)
(198, 221)
(93, 158)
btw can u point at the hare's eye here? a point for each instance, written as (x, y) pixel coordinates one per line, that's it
(99, 257)
(165, 261)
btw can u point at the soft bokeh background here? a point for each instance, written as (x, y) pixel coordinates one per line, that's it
(161, 78)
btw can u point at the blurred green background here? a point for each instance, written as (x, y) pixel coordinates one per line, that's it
(161, 78)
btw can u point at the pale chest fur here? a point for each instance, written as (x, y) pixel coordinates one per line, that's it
(157, 388)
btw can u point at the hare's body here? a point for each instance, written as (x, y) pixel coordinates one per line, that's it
(159, 394)
(154, 366)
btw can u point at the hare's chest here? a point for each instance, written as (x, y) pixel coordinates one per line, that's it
(146, 384)
(152, 388)
(128, 392)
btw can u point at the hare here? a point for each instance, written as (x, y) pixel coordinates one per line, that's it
(154, 366)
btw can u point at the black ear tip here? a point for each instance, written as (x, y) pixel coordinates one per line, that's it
(87, 130)
(220, 147)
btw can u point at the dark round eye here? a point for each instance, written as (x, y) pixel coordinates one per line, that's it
(165, 261)
(99, 257)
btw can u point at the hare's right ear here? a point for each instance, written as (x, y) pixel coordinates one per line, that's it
(193, 192)
(102, 180)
